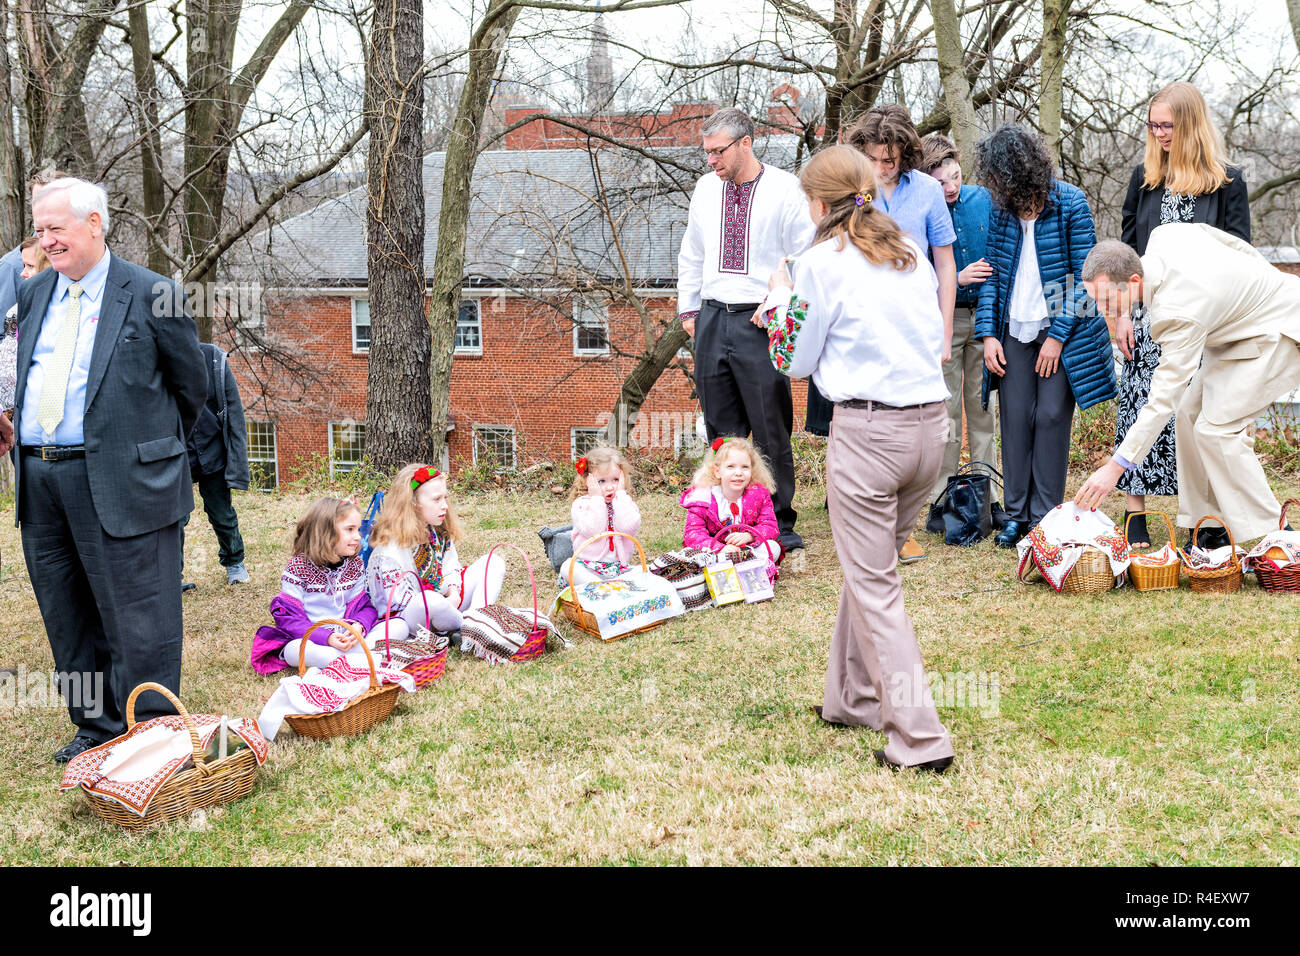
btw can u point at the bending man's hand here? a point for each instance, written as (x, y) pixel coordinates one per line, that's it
(1099, 485)
(6, 434)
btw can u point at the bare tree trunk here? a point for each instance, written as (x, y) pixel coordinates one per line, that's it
(1053, 63)
(952, 74)
(397, 422)
(1293, 10)
(151, 175)
(13, 211)
(636, 386)
(485, 50)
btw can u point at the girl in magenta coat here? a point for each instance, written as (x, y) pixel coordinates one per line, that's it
(732, 487)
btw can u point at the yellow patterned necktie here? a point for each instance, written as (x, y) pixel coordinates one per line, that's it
(55, 388)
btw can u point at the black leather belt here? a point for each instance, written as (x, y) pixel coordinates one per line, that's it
(55, 452)
(725, 307)
(869, 404)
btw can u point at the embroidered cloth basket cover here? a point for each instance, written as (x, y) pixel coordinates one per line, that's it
(628, 602)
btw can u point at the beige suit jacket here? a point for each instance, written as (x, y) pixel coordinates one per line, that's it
(1210, 293)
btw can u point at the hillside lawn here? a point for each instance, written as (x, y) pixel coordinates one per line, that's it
(1126, 728)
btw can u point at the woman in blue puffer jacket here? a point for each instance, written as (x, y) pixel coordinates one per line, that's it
(1046, 347)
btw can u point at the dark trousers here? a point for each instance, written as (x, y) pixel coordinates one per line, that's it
(111, 606)
(221, 514)
(742, 393)
(1036, 414)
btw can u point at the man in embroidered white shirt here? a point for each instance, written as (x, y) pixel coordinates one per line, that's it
(745, 217)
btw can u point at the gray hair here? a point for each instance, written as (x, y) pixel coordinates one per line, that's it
(1113, 259)
(735, 122)
(83, 198)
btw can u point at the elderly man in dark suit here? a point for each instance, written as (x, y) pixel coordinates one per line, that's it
(110, 381)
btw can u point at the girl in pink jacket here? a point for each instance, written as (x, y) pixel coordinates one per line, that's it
(601, 502)
(732, 487)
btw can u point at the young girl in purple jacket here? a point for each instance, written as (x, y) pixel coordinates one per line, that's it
(325, 578)
(732, 487)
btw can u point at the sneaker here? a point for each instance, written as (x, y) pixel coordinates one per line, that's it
(911, 551)
(236, 574)
(934, 523)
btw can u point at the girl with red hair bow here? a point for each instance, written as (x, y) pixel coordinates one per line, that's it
(602, 501)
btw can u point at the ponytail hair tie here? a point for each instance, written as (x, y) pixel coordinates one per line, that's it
(861, 199)
(580, 466)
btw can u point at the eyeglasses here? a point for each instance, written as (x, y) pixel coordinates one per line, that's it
(717, 153)
(1160, 127)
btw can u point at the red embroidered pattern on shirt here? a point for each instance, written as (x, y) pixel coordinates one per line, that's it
(737, 203)
(313, 579)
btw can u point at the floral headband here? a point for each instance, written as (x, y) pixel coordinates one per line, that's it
(718, 443)
(580, 466)
(423, 475)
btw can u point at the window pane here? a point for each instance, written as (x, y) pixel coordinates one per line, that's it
(262, 466)
(361, 324)
(589, 327)
(584, 438)
(495, 444)
(347, 446)
(468, 330)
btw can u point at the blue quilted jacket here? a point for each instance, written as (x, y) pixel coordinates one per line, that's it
(1063, 237)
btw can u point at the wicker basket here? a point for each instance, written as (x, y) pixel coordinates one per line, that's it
(583, 619)
(1224, 580)
(424, 670)
(206, 784)
(1091, 574)
(357, 715)
(1154, 577)
(1280, 580)
(535, 645)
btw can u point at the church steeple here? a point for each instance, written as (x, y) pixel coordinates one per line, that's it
(600, 70)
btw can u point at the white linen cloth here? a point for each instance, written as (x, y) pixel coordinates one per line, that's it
(1288, 541)
(1055, 544)
(323, 691)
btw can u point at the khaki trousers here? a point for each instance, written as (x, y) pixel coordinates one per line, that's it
(1218, 471)
(964, 376)
(880, 467)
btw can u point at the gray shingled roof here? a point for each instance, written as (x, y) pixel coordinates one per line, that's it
(532, 221)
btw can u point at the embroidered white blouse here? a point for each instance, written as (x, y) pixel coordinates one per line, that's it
(860, 330)
(737, 235)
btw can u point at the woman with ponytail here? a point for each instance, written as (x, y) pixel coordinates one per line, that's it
(859, 314)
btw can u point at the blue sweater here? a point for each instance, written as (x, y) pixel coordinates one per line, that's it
(1063, 237)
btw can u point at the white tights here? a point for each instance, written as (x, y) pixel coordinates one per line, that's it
(322, 655)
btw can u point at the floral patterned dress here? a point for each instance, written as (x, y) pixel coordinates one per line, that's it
(1157, 474)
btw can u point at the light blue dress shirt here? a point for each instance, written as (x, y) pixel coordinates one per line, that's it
(920, 210)
(69, 430)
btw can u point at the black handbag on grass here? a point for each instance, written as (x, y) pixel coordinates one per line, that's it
(966, 503)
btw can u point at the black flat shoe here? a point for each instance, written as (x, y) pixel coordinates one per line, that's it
(817, 709)
(930, 766)
(75, 747)
(1138, 537)
(1010, 534)
(1208, 539)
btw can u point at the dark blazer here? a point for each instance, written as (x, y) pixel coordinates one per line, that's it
(219, 441)
(146, 384)
(1227, 208)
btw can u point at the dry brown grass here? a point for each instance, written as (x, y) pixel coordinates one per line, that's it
(1131, 728)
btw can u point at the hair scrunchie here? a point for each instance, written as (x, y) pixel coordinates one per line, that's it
(423, 475)
(861, 199)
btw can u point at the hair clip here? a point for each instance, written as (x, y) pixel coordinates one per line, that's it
(580, 466)
(861, 199)
(423, 475)
(717, 443)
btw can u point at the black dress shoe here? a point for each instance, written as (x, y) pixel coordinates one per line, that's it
(78, 745)
(1208, 539)
(817, 709)
(789, 540)
(1010, 534)
(188, 586)
(934, 523)
(931, 766)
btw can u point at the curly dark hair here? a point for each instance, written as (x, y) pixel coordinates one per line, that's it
(1015, 165)
(889, 125)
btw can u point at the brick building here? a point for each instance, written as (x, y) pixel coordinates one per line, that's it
(547, 331)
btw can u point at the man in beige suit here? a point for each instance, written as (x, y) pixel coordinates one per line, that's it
(1215, 301)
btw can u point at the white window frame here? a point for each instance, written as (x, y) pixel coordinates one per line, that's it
(343, 467)
(478, 318)
(228, 300)
(273, 461)
(597, 434)
(360, 349)
(514, 444)
(583, 310)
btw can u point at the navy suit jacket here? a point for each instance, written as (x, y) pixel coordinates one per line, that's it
(147, 382)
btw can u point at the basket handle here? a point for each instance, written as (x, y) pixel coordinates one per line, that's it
(737, 526)
(487, 566)
(1197, 529)
(1281, 520)
(356, 632)
(573, 592)
(200, 764)
(388, 611)
(1168, 525)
